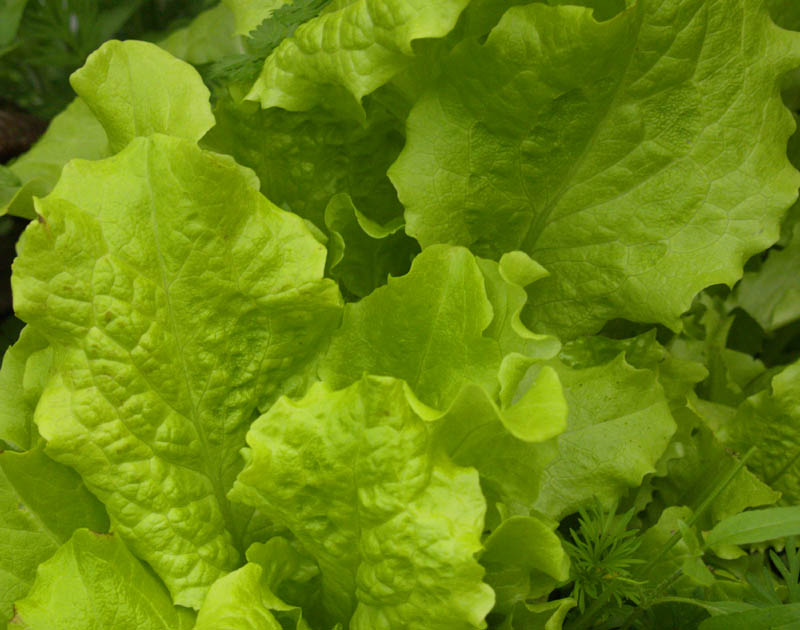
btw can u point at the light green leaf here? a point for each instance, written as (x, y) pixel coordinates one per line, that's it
(524, 559)
(425, 328)
(304, 159)
(41, 504)
(618, 426)
(123, 101)
(94, 582)
(621, 155)
(786, 617)
(176, 298)
(772, 294)
(26, 368)
(74, 133)
(770, 420)
(355, 475)
(756, 526)
(350, 50)
(362, 253)
(137, 89)
(234, 603)
(678, 376)
(246, 599)
(509, 446)
(209, 37)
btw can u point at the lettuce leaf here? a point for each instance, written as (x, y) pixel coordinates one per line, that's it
(166, 338)
(620, 155)
(370, 42)
(356, 476)
(41, 504)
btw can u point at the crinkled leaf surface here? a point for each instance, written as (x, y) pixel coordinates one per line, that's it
(623, 156)
(10, 15)
(41, 504)
(505, 283)
(618, 426)
(355, 475)
(74, 133)
(26, 368)
(137, 89)
(436, 329)
(94, 583)
(349, 51)
(176, 298)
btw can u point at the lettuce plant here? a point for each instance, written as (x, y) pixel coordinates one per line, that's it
(411, 315)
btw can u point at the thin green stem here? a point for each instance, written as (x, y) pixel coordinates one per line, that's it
(701, 509)
(637, 612)
(597, 605)
(588, 617)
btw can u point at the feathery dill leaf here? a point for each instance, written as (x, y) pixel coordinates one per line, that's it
(602, 553)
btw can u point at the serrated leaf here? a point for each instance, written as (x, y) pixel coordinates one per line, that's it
(621, 155)
(371, 42)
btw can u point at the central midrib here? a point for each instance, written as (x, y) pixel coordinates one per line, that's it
(215, 479)
(539, 224)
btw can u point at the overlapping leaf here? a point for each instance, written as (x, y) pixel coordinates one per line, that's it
(621, 155)
(41, 504)
(349, 51)
(391, 521)
(93, 581)
(176, 298)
